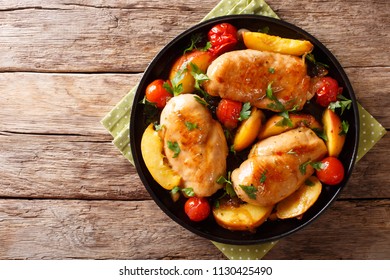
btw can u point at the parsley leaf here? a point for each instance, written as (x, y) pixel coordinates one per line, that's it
(191, 126)
(175, 87)
(195, 39)
(189, 192)
(174, 147)
(277, 105)
(201, 101)
(249, 190)
(263, 177)
(344, 128)
(286, 121)
(229, 190)
(271, 70)
(245, 111)
(316, 165)
(343, 103)
(198, 75)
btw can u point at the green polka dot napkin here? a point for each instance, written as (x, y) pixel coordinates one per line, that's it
(117, 122)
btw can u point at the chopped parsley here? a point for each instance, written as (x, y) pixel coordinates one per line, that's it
(344, 128)
(263, 177)
(191, 126)
(201, 101)
(316, 165)
(249, 190)
(189, 192)
(229, 190)
(276, 105)
(175, 148)
(271, 70)
(175, 87)
(245, 111)
(342, 103)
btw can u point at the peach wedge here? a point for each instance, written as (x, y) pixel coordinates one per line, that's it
(248, 130)
(264, 42)
(202, 59)
(332, 129)
(152, 153)
(274, 125)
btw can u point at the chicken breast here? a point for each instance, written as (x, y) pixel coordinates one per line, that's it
(277, 166)
(245, 75)
(194, 144)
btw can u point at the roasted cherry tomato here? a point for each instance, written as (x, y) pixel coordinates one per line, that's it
(228, 112)
(326, 89)
(156, 93)
(331, 172)
(197, 208)
(223, 38)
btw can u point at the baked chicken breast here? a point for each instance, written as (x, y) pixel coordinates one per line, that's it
(277, 166)
(245, 75)
(194, 144)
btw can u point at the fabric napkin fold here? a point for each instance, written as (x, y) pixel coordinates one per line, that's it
(117, 122)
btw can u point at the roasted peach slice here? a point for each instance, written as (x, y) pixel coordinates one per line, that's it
(152, 153)
(333, 131)
(182, 69)
(275, 124)
(248, 130)
(301, 200)
(264, 42)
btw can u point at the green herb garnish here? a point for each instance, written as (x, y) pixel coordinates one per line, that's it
(342, 103)
(276, 105)
(344, 128)
(175, 148)
(191, 126)
(316, 165)
(189, 192)
(245, 111)
(263, 177)
(249, 190)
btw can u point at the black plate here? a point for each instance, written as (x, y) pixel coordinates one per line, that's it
(269, 231)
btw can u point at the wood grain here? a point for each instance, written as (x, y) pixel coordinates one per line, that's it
(124, 36)
(61, 229)
(67, 193)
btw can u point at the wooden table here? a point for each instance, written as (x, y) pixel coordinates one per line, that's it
(66, 191)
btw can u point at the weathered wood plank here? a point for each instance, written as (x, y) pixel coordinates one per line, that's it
(60, 103)
(75, 103)
(42, 166)
(61, 229)
(65, 229)
(349, 230)
(65, 167)
(125, 36)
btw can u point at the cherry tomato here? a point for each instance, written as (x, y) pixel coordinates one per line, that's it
(326, 89)
(223, 38)
(228, 112)
(332, 171)
(197, 208)
(156, 93)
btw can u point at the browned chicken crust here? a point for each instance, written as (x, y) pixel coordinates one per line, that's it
(201, 148)
(275, 165)
(245, 75)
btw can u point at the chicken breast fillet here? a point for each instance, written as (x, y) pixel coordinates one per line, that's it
(277, 166)
(194, 144)
(245, 75)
